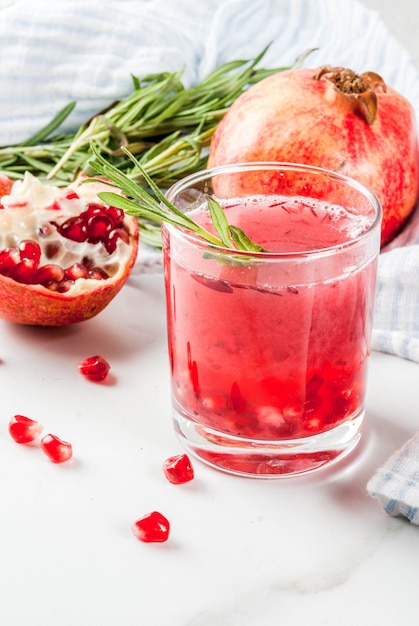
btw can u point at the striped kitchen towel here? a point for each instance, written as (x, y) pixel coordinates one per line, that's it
(396, 315)
(88, 50)
(396, 483)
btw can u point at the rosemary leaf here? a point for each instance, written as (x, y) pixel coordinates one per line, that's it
(47, 130)
(138, 202)
(219, 220)
(242, 241)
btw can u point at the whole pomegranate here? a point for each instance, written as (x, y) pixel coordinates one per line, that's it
(64, 254)
(331, 118)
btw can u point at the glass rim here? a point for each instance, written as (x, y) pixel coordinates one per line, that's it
(203, 174)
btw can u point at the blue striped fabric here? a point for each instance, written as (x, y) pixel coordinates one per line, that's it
(396, 484)
(88, 50)
(396, 316)
(52, 53)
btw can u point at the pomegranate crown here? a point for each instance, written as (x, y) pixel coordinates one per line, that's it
(359, 88)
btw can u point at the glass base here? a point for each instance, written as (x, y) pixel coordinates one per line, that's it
(267, 459)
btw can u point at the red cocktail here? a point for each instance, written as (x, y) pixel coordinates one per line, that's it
(269, 350)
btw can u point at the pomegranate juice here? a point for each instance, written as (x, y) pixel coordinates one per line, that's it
(272, 350)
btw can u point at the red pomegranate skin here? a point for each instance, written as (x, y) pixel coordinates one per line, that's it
(36, 305)
(294, 117)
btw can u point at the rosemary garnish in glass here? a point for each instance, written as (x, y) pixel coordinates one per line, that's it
(141, 204)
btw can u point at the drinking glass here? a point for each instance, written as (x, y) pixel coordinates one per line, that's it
(269, 349)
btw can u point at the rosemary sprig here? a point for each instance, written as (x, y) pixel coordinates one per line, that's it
(158, 110)
(166, 126)
(139, 203)
(47, 130)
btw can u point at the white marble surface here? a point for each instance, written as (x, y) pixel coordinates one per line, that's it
(242, 552)
(311, 550)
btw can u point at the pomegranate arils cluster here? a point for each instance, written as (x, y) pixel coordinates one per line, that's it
(97, 224)
(71, 238)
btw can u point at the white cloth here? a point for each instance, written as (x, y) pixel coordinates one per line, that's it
(396, 484)
(396, 315)
(87, 50)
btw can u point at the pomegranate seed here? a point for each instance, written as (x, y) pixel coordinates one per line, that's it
(23, 429)
(313, 385)
(98, 228)
(61, 287)
(50, 273)
(94, 368)
(53, 286)
(178, 469)
(93, 209)
(30, 250)
(55, 206)
(9, 258)
(113, 237)
(52, 250)
(152, 528)
(75, 271)
(214, 402)
(193, 370)
(71, 195)
(97, 273)
(24, 272)
(116, 216)
(6, 185)
(237, 401)
(194, 377)
(57, 450)
(65, 285)
(341, 406)
(44, 230)
(74, 228)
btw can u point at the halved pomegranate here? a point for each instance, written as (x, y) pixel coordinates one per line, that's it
(64, 254)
